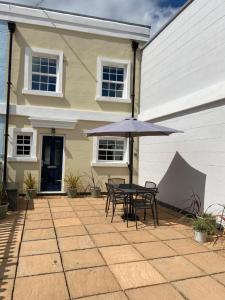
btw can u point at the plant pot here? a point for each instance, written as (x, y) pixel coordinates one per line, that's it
(95, 192)
(71, 193)
(3, 210)
(200, 236)
(31, 194)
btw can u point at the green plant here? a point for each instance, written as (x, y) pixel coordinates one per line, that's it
(3, 195)
(205, 222)
(72, 181)
(29, 181)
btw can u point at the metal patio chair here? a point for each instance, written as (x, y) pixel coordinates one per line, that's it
(152, 185)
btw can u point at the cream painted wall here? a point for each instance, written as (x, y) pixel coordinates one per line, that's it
(79, 87)
(78, 151)
(79, 67)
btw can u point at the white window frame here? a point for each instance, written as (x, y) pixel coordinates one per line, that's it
(29, 53)
(12, 155)
(99, 163)
(105, 61)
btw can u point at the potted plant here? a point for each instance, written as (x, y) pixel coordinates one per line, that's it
(203, 226)
(72, 183)
(94, 185)
(30, 183)
(3, 202)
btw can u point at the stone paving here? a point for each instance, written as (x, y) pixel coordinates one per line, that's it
(60, 249)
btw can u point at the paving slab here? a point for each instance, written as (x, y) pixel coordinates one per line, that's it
(136, 274)
(100, 228)
(139, 236)
(63, 214)
(71, 231)
(108, 296)
(220, 277)
(176, 268)
(167, 234)
(120, 254)
(201, 288)
(210, 262)
(8, 268)
(41, 287)
(38, 247)
(67, 222)
(39, 264)
(75, 243)
(91, 281)
(152, 250)
(186, 246)
(109, 239)
(6, 288)
(93, 220)
(155, 292)
(39, 234)
(87, 213)
(38, 224)
(82, 259)
(61, 209)
(40, 216)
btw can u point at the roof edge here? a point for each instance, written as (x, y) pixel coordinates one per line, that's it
(168, 23)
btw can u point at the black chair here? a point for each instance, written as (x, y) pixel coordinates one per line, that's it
(112, 181)
(152, 185)
(115, 197)
(144, 202)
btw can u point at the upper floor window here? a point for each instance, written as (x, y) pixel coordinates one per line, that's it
(113, 80)
(44, 75)
(43, 72)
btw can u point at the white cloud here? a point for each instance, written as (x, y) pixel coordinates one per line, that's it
(148, 12)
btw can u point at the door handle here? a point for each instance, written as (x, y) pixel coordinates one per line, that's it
(51, 167)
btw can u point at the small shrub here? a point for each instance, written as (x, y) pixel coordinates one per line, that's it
(205, 222)
(29, 181)
(72, 181)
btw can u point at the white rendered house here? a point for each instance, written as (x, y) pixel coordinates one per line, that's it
(183, 87)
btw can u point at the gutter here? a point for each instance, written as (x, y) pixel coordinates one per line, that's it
(12, 28)
(131, 140)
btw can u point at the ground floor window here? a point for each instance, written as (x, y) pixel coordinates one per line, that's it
(22, 144)
(110, 150)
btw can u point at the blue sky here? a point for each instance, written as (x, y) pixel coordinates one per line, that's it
(149, 12)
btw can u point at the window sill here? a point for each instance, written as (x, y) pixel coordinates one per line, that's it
(109, 164)
(22, 159)
(112, 99)
(42, 93)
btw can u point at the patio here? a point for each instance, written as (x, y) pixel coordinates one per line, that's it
(59, 248)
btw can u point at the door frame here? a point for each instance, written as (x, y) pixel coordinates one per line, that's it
(40, 164)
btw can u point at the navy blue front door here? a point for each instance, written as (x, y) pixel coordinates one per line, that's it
(52, 158)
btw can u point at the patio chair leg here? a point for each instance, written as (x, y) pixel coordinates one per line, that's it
(145, 214)
(108, 208)
(113, 211)
(153, 215)
(156, 213)
(135, 218)
(106, 204)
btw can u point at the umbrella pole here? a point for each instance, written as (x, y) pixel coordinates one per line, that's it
(131, 150)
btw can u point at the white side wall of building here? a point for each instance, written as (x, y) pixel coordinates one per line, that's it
(183, 87)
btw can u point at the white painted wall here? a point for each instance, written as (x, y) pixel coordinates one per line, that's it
(183, 87)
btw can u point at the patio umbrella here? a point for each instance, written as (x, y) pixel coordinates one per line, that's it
(130, 128)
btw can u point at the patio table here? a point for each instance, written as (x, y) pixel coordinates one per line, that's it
(130, 190)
